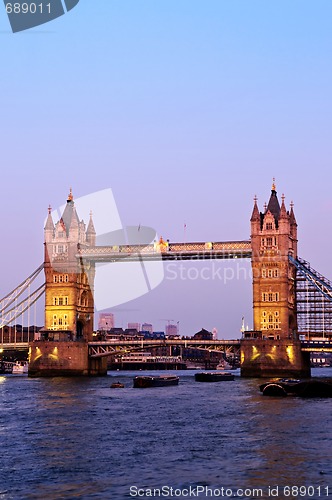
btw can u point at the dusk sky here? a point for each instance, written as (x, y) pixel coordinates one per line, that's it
(186, 110)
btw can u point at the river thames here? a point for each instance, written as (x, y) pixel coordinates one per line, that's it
(76, 438)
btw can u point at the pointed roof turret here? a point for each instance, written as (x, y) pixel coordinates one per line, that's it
(273, 205)
(69, 214)
(283, 212)
(91, 227)
(292, 215)
(255, 212)
(91, 232)
(49, 221)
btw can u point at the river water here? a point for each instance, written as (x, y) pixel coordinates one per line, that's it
(77, 438)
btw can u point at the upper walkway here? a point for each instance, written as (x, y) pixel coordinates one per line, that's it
(165, 250)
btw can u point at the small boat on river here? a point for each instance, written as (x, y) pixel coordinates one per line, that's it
(213, 377)
(311, 388)
(6, 367)
(143, 381)
(20, 368)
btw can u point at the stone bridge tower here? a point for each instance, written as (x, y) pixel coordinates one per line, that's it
(69, 302)
(273, 348)
(273, 239)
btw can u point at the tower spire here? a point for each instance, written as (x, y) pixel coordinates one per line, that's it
(70, 196)
(49, 221)
(292, 215)
(283, 211)
(91, 232)
(255, 212)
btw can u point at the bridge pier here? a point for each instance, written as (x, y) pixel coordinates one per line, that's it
(274, 358)
(49, 358)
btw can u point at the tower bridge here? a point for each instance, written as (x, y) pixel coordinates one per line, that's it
(290, 299)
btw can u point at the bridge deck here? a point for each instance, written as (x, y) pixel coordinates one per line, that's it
(98, 349)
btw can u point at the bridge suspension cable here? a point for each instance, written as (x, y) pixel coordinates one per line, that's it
(11, 308)
(6, 301)
(25, 304)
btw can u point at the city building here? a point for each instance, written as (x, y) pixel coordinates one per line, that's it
(147, 327)
(171, 330)
(134, 326)
(106, 321)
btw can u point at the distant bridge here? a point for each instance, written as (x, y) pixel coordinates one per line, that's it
(228, 347)
(100, 349)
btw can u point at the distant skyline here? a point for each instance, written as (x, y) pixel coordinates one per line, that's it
(187, 110)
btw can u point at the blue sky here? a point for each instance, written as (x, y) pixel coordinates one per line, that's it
(186, 110)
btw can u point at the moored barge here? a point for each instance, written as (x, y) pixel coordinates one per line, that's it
(143, 381)
(213, 377)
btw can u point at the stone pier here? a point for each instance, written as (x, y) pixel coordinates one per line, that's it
(49, 358)
(274, 358)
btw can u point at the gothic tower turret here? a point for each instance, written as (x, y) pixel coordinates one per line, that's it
(274, 238)
(69, 304)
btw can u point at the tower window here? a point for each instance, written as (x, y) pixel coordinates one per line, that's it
(269, 242)
(269, 225)
(55, 278)
(270, 296)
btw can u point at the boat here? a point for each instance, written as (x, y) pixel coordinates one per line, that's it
(302, 388)
(117, 385)
(287, 384)
(274, 389)
(223, 365)
(6, 367)
(213, 377)
(155, 381)
(20, 368)
(145, 361)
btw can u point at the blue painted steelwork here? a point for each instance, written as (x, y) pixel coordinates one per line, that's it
(323, 285)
